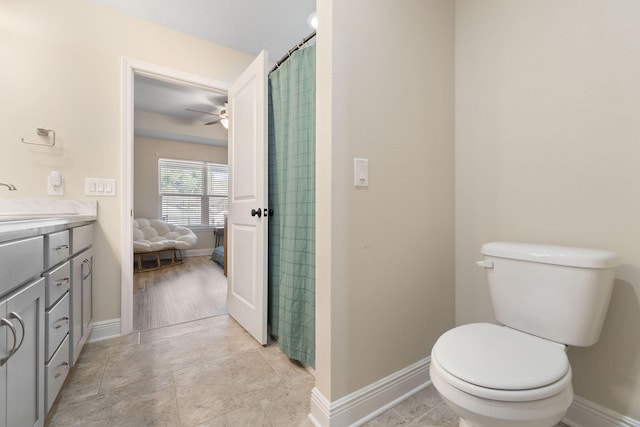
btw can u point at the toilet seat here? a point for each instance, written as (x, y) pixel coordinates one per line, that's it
(499, 363)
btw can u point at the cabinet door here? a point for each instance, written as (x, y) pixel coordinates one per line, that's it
(75, 329)
(87, 293)
(6, 343)
(81, 302)
(25, 369)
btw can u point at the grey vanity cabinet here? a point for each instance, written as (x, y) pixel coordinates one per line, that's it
(22, 357)
(45, 317)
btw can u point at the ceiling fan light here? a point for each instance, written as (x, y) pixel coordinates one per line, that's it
(312, 20)
(225, 122)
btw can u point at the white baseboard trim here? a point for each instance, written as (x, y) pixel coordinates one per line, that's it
(197, 252)
(367, 403)
(584, 413)
(105, 329)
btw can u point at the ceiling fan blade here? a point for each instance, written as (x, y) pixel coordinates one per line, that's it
(202, 112)
(212, 122)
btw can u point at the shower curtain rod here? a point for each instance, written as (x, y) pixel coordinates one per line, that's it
(293, 49)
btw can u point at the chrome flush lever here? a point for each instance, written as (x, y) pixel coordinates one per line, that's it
(486, 263)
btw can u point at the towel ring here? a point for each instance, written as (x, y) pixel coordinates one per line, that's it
(43, 132)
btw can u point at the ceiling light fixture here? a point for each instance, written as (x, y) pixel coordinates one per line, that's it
(224, 116)
(312, 20)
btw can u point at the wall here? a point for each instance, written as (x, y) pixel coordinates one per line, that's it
(147, 151)
(547, 131)
(385, 274)
(62, 70)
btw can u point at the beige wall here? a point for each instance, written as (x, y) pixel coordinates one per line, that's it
(62, 70)
(147, 151)
(385, 274)
(547, 150)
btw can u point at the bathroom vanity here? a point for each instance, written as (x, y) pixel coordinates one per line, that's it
(46, 286)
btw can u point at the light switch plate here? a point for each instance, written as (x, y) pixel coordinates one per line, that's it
(361, 172)
(99, 187)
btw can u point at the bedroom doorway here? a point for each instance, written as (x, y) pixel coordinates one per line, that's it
(180, 179)
(169, 282)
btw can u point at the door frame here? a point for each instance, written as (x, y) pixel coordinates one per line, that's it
(131, 67)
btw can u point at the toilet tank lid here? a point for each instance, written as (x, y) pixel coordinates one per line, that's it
(551, 254)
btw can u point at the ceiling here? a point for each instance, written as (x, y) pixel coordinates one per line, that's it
(160, 111)
(173, 99)
(245, 25)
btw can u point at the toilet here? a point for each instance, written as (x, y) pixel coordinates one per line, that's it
(517, 374)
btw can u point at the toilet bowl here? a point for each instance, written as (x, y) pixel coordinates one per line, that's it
(494, 376)
(518, 375)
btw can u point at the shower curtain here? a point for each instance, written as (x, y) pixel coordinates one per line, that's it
(292, 197)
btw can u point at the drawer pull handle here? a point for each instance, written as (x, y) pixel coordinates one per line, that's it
(66, 368)
(62, 247)
(89, 269)
(5, 322)
(65, 280)
(65, 321)
(14, 315)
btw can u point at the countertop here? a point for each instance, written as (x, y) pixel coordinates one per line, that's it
(23, 228)
(21, 218)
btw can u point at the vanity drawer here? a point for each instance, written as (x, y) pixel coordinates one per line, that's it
(58, 282)
(55, 373)
(81, 238)
(56, 326)
(20, 261)
(56, 248)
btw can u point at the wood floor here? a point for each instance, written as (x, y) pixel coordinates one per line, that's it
(181, 293)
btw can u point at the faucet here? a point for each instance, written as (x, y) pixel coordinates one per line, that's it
(10, 186)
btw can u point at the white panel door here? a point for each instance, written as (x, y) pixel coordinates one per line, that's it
(247, 223)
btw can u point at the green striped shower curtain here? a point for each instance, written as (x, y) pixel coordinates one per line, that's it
(292, 197)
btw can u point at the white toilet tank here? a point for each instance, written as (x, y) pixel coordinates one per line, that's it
(554, 292)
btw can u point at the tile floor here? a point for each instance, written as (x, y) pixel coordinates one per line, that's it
(205, 373)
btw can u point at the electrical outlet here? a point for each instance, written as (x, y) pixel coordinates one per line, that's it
(55, 185)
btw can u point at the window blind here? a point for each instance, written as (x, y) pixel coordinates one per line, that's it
(181, 177)
(192, 192)
(218, 190)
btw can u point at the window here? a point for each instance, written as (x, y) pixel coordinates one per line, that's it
(193, 193)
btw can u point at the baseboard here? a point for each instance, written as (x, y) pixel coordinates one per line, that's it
(367, 403)
(197, 252)
(105, 329)
(583, 413)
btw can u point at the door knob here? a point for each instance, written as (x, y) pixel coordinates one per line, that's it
(255, 212)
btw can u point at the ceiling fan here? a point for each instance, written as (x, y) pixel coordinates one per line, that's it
(223, 117)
